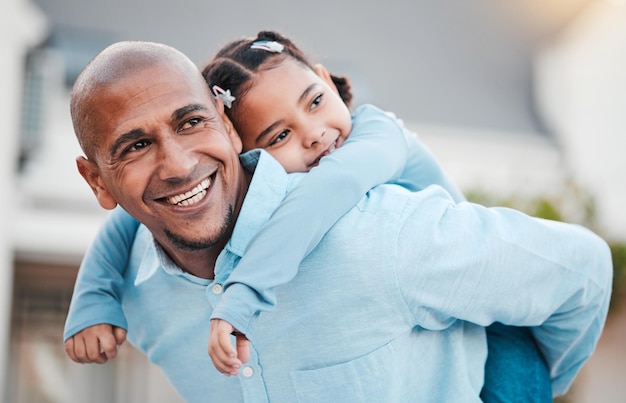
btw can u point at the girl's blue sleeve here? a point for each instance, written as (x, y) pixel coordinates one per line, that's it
(423, 169)
(375, 152)
(96, 297)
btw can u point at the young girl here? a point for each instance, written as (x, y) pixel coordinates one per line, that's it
(299, 114)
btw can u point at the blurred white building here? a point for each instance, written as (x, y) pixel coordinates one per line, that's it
(581, 95)
(542, 110)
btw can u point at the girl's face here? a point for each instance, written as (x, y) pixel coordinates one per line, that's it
(295, 114)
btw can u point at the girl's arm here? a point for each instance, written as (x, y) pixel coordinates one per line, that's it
(423, 169)
(96, 292)
(375, 152)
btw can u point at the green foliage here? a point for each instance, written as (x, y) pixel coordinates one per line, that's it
(571, 204)
(618, 251)
(545, 209)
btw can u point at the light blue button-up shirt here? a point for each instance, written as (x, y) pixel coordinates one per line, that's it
(388, 308)
(379, 150)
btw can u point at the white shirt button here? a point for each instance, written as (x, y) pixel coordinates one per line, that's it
(247, 372)
(217, 289)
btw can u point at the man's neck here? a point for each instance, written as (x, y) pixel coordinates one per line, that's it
(198, 263)
(201, 263)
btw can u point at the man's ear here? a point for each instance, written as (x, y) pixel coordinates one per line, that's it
(233, 135)
(219, 104)
(325, 75)
(228, 125)
(91, 173)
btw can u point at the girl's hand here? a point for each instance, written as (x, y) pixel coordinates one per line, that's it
(95, 344)
(225, 357)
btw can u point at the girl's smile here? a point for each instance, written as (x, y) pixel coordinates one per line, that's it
(295, 114)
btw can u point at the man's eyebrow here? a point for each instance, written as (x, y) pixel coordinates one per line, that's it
(185, 110)
(301, 98)
(136, 134)
(125, 138)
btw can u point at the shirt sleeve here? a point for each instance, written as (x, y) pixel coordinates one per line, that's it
(96, 297)
(375, 152)
(500, 265)
(423, 169)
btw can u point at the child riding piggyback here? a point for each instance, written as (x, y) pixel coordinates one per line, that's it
(300, 114)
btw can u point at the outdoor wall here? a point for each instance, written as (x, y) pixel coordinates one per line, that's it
(581, 94)
(21, 25)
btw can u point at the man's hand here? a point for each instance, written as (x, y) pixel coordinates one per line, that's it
(96, 344)
(225, 357)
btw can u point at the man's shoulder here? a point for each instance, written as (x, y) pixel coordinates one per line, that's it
(391, 198)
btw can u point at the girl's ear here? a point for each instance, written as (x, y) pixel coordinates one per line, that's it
(325, 75)
(91, 173)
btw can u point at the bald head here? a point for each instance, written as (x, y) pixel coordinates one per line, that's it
(114, 63)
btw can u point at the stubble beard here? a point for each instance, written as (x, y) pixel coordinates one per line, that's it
(202, 244)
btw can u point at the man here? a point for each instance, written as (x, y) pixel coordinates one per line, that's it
(390, 307)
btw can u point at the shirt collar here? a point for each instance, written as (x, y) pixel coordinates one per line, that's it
(270, 183)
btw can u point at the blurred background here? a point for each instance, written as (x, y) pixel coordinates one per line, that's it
(523, 102)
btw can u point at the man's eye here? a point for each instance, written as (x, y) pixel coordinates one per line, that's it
(189, 124)
(280, 137)
(136, 146)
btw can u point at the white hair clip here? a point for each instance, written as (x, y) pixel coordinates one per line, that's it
(225, 95)
(270, 46)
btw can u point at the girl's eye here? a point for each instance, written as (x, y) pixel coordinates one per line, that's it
(316, 101)
(280, 137)
(189, 124)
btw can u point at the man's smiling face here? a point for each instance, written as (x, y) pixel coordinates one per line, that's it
(164, 152)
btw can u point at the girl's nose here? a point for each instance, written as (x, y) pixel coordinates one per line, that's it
(313, 137)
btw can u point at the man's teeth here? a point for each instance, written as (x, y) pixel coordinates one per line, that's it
(193, 196)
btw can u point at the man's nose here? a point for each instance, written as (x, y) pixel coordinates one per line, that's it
(177, 160)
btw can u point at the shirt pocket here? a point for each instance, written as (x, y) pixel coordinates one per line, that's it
(369, 378)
